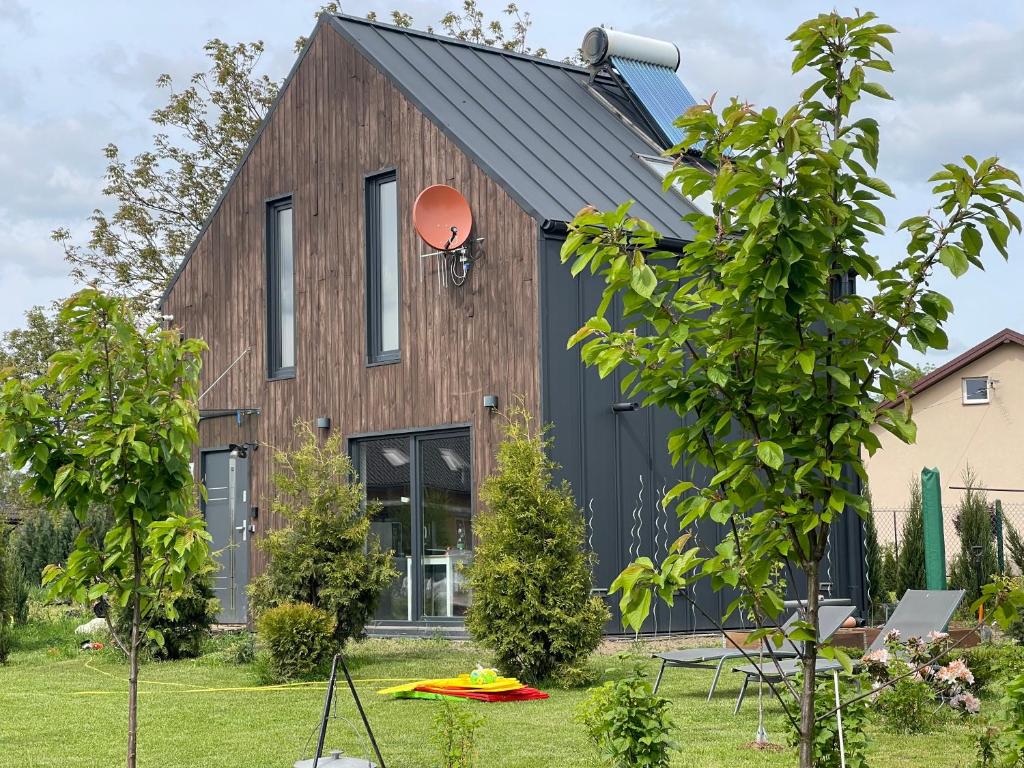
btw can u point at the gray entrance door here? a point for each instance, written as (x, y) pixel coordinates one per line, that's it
(227, 519)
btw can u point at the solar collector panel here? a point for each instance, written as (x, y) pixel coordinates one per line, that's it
(658, 92)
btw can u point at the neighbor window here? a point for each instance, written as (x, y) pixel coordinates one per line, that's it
(976, 390)
(280, 289)
(382, 298)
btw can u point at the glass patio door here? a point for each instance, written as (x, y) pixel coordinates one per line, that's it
(445, 500)
(423, 483)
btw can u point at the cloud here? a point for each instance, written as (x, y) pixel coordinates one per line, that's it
(51, 169)
(17, 15)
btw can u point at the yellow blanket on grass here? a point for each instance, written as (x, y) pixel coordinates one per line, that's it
(462, 681)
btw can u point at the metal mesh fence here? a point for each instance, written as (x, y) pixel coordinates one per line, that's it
(1006, 521)
(891, 528)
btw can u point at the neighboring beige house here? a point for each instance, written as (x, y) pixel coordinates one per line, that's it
(968, 412)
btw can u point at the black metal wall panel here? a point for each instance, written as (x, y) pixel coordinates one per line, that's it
(619, 466)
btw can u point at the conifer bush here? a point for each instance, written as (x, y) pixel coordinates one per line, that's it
(325, 556)
(6, 599)
(300, 639)
(974, 524)
(910, 564)
(530, 576)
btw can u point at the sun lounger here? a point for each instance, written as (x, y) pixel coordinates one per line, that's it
(831, 618)
(919, 612)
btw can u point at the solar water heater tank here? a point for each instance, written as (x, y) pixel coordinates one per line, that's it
(601, 44)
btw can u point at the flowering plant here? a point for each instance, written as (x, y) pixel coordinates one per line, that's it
(951, 683)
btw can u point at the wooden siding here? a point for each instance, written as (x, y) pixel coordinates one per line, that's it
(338, 120)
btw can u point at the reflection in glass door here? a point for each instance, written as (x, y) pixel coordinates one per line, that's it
(384, 467)
(423, 483)
(445, 501)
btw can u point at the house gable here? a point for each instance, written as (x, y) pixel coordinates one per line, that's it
(339, 119)
(952, 434)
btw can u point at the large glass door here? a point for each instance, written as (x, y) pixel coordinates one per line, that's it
(445, 490)
(423, 483)
(385, 469)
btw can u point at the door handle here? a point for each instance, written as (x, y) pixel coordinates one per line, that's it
(244, 528)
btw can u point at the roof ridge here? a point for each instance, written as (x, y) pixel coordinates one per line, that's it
(979, 350)
(448, 40)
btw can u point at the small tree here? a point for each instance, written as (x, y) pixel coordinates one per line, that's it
(6, 596)
(326, 556)
(972, 567)
(751, 334)
(124, 440)
(530, 576)
(910, 563)
(889, 568)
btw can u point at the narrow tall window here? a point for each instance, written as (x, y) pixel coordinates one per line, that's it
(382, 299)
(280, 290)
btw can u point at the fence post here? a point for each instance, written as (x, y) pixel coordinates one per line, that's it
(895, 536)
(999, 537)
(934, 537)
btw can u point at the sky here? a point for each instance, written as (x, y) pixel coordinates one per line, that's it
(76, 76)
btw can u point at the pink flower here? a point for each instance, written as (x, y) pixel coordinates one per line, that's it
(893, 636)
(934, 637)
(954, 672)
(967, 702)
(881, 656)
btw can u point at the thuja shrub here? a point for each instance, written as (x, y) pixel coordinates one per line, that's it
(326, 555)
(299, 637)
(530, 576)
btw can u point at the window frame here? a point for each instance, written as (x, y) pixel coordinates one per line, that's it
(375, 353)
(975, 401)
(276, 371)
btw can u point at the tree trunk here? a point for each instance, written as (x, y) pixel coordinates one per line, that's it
(133, 648)
(807, 723)
(133, 683)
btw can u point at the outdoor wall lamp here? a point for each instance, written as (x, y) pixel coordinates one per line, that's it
(491, 402)
(323, 422)
(625, 407)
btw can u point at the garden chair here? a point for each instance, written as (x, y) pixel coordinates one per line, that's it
(831, 618)
(919, 612)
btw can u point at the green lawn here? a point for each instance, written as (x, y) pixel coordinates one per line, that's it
(66, 709)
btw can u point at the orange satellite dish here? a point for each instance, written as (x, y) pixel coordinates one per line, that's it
(442, 217)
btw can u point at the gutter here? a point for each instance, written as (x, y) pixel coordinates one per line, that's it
(554, 228)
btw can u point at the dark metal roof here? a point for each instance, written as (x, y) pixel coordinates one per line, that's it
(534, 125)
(554, 141)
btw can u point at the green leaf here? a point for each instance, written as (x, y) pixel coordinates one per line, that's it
(770, 454)
(954, 259)
(971, 240)
(644, 281)
(760, 211)
(806, 359)
(876, 90)
(837, 432)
